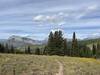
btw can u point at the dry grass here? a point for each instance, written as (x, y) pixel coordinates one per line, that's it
(27, 65)
(80, 66)
(47, 65)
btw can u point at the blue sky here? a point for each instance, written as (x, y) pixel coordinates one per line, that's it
(36, 18)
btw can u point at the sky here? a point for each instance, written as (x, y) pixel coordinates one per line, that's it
(36, 18)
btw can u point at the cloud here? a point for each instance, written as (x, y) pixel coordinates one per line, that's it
(71, 16)
(38, 18)
(88, 9)
(44, 18)
(92, 7)
(56, 19)
(27, 15)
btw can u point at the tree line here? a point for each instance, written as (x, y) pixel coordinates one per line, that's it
(58, 45)
(5, 48)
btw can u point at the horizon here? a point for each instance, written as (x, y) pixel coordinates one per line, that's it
(32, 37)
(36, 18)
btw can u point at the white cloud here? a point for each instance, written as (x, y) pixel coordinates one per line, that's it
(69, 18)
(45, 18)
(92, 7)
(38, 18)
(52, 19)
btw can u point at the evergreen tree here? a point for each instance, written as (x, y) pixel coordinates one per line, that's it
(58, 42)
(98, 46)
(87, 51)
(94, 50)
(29, 50)
(37, 51)
(50, 45)
(98, 50)
(74, 51)
(50, 40)
(58, 39)
(2, 48)
(65, 48)
(45, 50)
(55, 43)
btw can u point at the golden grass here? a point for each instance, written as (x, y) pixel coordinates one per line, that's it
(80, 66)
(47, 65)
(27, 65)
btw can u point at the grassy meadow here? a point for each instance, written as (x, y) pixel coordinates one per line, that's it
(16, 64)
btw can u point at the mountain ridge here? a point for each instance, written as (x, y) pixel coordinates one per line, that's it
(18, 41)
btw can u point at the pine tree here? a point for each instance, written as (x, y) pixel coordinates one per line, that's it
(65, 48)
(29, 50)
(58, 39)
(74, 51)
(87, 51)
(98, 50)
(37, 51)
(55, 43)
(45, 50)
(50, 44)
(2, 48)
(58, 42)
(50, 40)
(94, 50)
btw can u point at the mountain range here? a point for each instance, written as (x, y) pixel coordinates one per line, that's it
(18, 41)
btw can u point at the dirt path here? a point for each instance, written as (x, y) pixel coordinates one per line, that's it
(60, 68)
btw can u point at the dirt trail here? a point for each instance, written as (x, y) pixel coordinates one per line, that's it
(60, 68)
